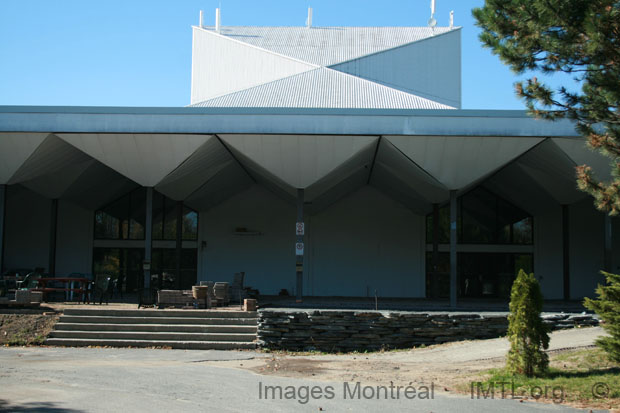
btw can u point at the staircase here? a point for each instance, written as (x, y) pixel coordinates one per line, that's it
(178, 329)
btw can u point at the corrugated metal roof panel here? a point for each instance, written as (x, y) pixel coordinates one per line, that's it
(323, 88)
(325, 46)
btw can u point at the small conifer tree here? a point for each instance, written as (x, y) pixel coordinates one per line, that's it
(608, 309)
(526, 331)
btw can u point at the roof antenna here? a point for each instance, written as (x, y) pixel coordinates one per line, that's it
(432, 22)
(217, 20)
(452, 19)
(309, 20)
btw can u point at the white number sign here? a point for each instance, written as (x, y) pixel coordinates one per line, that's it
(299, 248)
(300, 228)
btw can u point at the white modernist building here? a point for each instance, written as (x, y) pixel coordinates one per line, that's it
(356, 132)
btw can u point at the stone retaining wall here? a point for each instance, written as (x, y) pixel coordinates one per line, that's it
(333, 331)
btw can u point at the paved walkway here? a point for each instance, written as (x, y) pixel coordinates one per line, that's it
(468, 351)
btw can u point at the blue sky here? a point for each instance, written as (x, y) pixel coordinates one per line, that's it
(138, 53)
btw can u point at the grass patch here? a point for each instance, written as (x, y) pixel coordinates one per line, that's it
(582, 378)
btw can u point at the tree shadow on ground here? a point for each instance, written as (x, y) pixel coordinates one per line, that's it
(582, 374)
(34, 407)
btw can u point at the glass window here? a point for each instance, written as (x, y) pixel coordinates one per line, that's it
(106, 226)
(480, 275)
(478, 217)
(137, 214)
(484, 218)
(158, 215)
(123, 218)
(164, 268)
(170, 219)
(444, 226)
(189, 264)
(522, 231)
(523, 262)
(516, 224)
(165, 219)
(121, 208)
(123, 265)
(438, 277)
(190, 224)
(106, 261)
(111, 221)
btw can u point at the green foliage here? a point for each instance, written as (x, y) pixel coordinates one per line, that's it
(526, 332)
(607, 306)
(577, 37)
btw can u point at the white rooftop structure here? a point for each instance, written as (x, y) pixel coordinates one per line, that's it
(322, 88)
(331, 67)
(328, 46)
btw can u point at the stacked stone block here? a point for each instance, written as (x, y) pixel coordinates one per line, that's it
(334, 331)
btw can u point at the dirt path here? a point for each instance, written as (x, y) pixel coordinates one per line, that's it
(25, 329)
(445, 365)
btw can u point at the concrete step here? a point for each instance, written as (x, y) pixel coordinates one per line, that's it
(90, 319)
(152, 336)
(182, 329)
(188, 345)
(160, 313)
(176, 328)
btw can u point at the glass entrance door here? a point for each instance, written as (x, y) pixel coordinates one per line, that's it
(123, 265)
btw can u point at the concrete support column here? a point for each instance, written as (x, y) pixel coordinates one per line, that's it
(608, 244)
(453, 263)
(435, 244)
(148, 236)
(566, 251)
(53, 235)
(2, 213)
(300, 239)
(179, 245)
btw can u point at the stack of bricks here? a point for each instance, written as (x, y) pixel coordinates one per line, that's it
(249, 304)
(175, 298)
(22, 296)
(27, 296)
(36, 296)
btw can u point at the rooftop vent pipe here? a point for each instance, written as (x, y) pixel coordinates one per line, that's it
(217, 20)
(201, 24)
(452, 19)
(432, 22)
(309, 20)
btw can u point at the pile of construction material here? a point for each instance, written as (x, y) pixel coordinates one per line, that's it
(202, 298)
(23, 298)
(210, 294)
(28, 296)
(176, 298)
(206, 295)
(221, 292)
